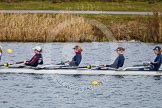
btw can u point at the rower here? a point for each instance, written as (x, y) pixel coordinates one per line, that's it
(36, 59)
(0, 52)
(77, 58)
(119, 61)
(40, 56)
(154, 66)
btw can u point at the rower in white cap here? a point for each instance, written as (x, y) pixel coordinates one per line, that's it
(36, 59)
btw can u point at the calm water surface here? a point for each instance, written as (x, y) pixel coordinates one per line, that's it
(70, 91)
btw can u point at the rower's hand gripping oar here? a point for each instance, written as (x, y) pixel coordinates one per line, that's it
(144, 64)
(61, 63)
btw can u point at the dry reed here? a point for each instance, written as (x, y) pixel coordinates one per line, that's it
(63, 27)
(43, 27)
(141, 29)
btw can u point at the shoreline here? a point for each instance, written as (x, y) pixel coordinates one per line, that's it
(78, 12)
(120, 41)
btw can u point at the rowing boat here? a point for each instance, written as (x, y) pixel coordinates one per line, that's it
(79, 71)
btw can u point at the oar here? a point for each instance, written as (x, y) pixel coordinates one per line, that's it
(7, 64)
(90, 66)
(100, 67)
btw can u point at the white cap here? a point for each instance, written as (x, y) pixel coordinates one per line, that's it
(38, 48)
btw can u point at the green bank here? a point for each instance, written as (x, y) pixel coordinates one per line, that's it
(81, 5)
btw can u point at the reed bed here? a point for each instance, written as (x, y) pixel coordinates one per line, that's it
(43, 27)
(75, 28)
(142, 28)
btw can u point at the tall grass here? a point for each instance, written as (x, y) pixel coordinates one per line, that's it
(64, 27)
(43, 27)
(142, 28)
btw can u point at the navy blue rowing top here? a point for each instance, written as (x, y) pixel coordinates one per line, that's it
(119, 62)
(35, 60)
(0, 56)
(157, 62)
(40, 62)
(76, 60)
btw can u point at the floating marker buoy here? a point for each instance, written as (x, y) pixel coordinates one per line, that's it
(94, 83)
(9, 50)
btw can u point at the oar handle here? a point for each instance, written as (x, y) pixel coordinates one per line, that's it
(90, 66)
(7, 64)
(19, 62)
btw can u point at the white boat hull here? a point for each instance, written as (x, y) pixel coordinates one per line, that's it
(77, 71)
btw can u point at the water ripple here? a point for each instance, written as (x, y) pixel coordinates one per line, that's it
(69, 91)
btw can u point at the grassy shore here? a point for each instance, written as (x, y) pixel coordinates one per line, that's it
(65, 27)
(82, 5)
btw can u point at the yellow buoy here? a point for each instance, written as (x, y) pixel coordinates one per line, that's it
(94, 83)
(9, 50)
